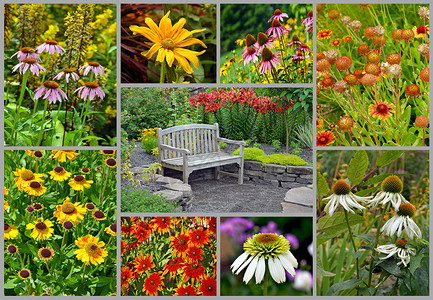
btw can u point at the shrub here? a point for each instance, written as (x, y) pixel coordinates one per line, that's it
(138, 201)
(304, 134)
(277, 145)
(251, 153)
(223, 145)
(257, 145)
(284, 159)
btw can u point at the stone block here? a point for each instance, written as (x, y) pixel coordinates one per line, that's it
(254, 173)
(173, 196)
(291, 185)
(300, 170)
(304, 181)
(252, 165)
(270, 176)
(185, 189)
(274, 168)
(291, 208)
(286, 177)
(302, 196)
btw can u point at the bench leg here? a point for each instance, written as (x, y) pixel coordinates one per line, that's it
(217, 173)
(161, 171)
(241, 173)
(185, 177)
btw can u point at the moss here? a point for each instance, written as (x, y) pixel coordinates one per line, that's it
(279, 159)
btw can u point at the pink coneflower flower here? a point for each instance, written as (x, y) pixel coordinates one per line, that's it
(26, 52)
(263, 41)
(268, 61)
(303, 47)
(308, 21)
(67, 73)
(251, 54)
(295, 41)
(52, 92)
(299, 56)
(278, 15)
(90, 89)
(28, 63)
(277, 29)
(51, 46)
(95, 67)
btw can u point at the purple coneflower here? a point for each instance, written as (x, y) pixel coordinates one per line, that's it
(67, 73)
(90, 89)
(277, 29)
(251, 54)
(299, 56)
(303, 47)
(268, 61)
(308, 21)
(263, 41)
(28, 63)
(26, 52)
(278, 15)
(52, 92)
(95, 67)
(295, 41)
(51, 46)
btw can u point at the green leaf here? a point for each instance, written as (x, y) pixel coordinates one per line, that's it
(330, 227)
(369, 191)
(357, 167)
(380, 178)
(415, 261)
(322, 185)
(390, 265)
(345, 285)
(366, 238)
(388, 157)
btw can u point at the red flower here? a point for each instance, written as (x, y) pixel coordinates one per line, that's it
(194, 254)
(143, 264)
(161, 224)
(189, 290)
(180, 243)
(211, 222)
(153, 284)
(324, 138)
(125, 275)
(173, 265)
(193, 271)
(199, 236)
(382, 109)
(208, 286)
(143, 231)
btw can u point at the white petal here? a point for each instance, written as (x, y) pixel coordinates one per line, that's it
(260, 270)
(239, 261)
(244, 265)
(249, 273)
(287, 264)
(276, 270)
(291, 258)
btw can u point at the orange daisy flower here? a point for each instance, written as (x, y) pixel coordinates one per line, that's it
(143, 231)
(125, 275)
(208, 286)
(211, 222)
(180, 243)
(324, 138)
(173, 265)
(347, 38)
(382, 110)
(194, 254)
(199, 236)
(189, 290)
(335, 42)
(143, 264)
(161, 224)
(153, 284)
(193, 271)
(324, 34)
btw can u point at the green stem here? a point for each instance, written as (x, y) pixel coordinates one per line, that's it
(63, 240)
(41, 133)
(162, 75)
(265, 283)
(20, 100)
(105, 185)
(84, 114)
(48, 268)
(353, 243)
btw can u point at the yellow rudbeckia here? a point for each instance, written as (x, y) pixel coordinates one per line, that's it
(41, 229)
(69, 211)
(91, 251)
(169, 42)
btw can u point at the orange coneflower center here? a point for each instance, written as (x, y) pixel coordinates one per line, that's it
(401, 243)
(51, 42)
(310, 14)
(341, 187)
(79, 178)
(251, 51)
(406, 209)
(91, 248)
(382, 109)
(27, 175)
(27, 50)
(168, 44)
(51, 84)
(58, 169)
(45, 253)
(92, 85)
(93, 63)
(266, 54)
(35, 185)
(30, 61)
(277, 12)
(392, 184)
(262, 39)
(250, 40)
(276, 23)
(68, 208)
(68, 70)
(267, 238)
(345, 123)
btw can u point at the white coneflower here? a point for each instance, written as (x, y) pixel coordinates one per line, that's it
(262, 247)
(398, 248)
(341, 194)
(391, 189)
(402, 222)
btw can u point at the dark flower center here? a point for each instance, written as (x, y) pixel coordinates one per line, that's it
(45, 253)
(92, 85)
(406, 209)
(90, 206)
(174, 261)
(24, 274)
(94, 64)
(85, 170)
(113, 227)
(99, 214)
(250, 40)
(58, 169)
(79, 178)
(262, 39)
(111, 162)
(30, 209)
(68, 225)
(210, 288)
(38, 153)
(194, 267)
(41, 226)
(310, 14)
(30, 61)
(12, 249)
(197, 237)
(35, 185)
(6, 227)
(382, 108)
(251, 50)
(37, 206)
(143, 266)
(267, 238)
(182, 242)
(277, 12)
(51, 42)
(152, 282)
(276, 23)
(51, 84)
(124, 277)
(186, 294)
(295, 38)
(194, 253)
(267, 54)
(401, 243)
(108, 152)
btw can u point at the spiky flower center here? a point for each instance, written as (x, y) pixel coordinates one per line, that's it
(30, 61)
(168, 44)
(35, 185)
(91, 248)
(401, 243)
(382, 108)
(295, 38)
(58, 169)
(68, 208)
(27, 50)
(341, 187)
(51, 42)
(406, 209)
(267, 245)
(266, 54)
(93, 64)
(51, 84)
(392, 184)
(68, 70)
(250, 40)
(262, 39)
(251, 50)
(27, 175)
(310, 14)
(276, 23)
(277, 12)
(92, 85)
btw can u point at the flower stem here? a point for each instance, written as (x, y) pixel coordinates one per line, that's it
(265, 283)
(41, 133)
(20, 100)
(63, 240)
(353, 243)
(48, 268)
(84, 272)
(105, 185)
(162, 75)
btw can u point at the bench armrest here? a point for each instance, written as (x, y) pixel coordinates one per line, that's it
(183, 151)
(240, 143)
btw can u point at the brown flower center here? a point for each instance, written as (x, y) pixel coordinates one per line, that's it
(382, 109)
(210, 288)
(341, 187)
(90, 206)
(27, 50)
(250, 40)
(92, 85)
(91, 248)
(152, 282)
(68, 70)
(93, 64)
(68, 208)
(277, 12)
(41, 226)
(99, 214)
(251, 50)
(51, 42)
(30, 61)
(37, 206)
(24, 274)
(295, 38)
(35, 185)
(108, 152)
(6, 227)
(266, 54)
(79, 178)
(27, 175)
(45, 252)
(401, 243)
(182, 242)
(194, 267)
(111, 162)
(68, 225)
(168, 44)
(267, 238)
(276, 23)
(262, 39)
(113, 227)
(58, 169)
(37, 153)
(51, 84)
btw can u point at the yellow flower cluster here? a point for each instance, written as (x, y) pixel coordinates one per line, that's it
(147, 132)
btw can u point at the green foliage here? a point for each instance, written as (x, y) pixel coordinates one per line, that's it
(357, 167)
(257, 145)
(149, 174)
(137, 201)
(304, 134)
(277, 145)
(251, 153)
(223, 145)
(149, 143)
(296, 149)
(236, 122)
(284, 159)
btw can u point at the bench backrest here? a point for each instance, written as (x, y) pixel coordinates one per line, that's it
(197, 138)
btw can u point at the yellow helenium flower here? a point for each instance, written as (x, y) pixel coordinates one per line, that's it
(35, 189)
(25, 177)
(168, 41)
(41, 229)
(11, 231)
(6, 205)
(91, 251)
(70, 211)
(79, 182)
(63, 154)
(59, 174)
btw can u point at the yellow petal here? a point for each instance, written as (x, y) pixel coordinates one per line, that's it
(152, 50)
(170, 57)
(185, 34)
(177, 28)
(153, 27)
(146, 32)
(165, 26)
(183, 62)
(161, 54)
(190, 55)
(190, 42)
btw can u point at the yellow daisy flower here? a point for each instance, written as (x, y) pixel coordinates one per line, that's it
(79, 183)
(69, 211)
(111, 230)
(11, 231)
(41, 229)
(168, 41)
(35, 189)
(24, 274)
(6, 205)
(108, 152)
(35, 153)
(24, 177)
(46, 253)
(63, 154)
(6, 191)
(59, 174)
(91, 251)
(111, 162)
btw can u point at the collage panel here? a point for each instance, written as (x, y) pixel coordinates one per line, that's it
(168, 43)
(217, 150)
(266, 256)
(169, 256)
(60, 223)
(60, 75)
(266, 43)
(373, 74)
(373, 221)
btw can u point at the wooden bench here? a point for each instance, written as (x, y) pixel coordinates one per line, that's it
(196, 146)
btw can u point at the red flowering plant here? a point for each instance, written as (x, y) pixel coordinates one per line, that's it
(163, 256)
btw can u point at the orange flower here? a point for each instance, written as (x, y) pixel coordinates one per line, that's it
(324, 138)
(335, 42)
(193, 271)
(153, 284)
(324, 34)
(382, 109)
(208, 286)
(180, 243)
(211, 222)
(125, 275)
(194, 254)
(199, 236)
(347, 38)
(161, 224)
(143, 264)
(189, 290)
(173, 265)
(143, 231)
